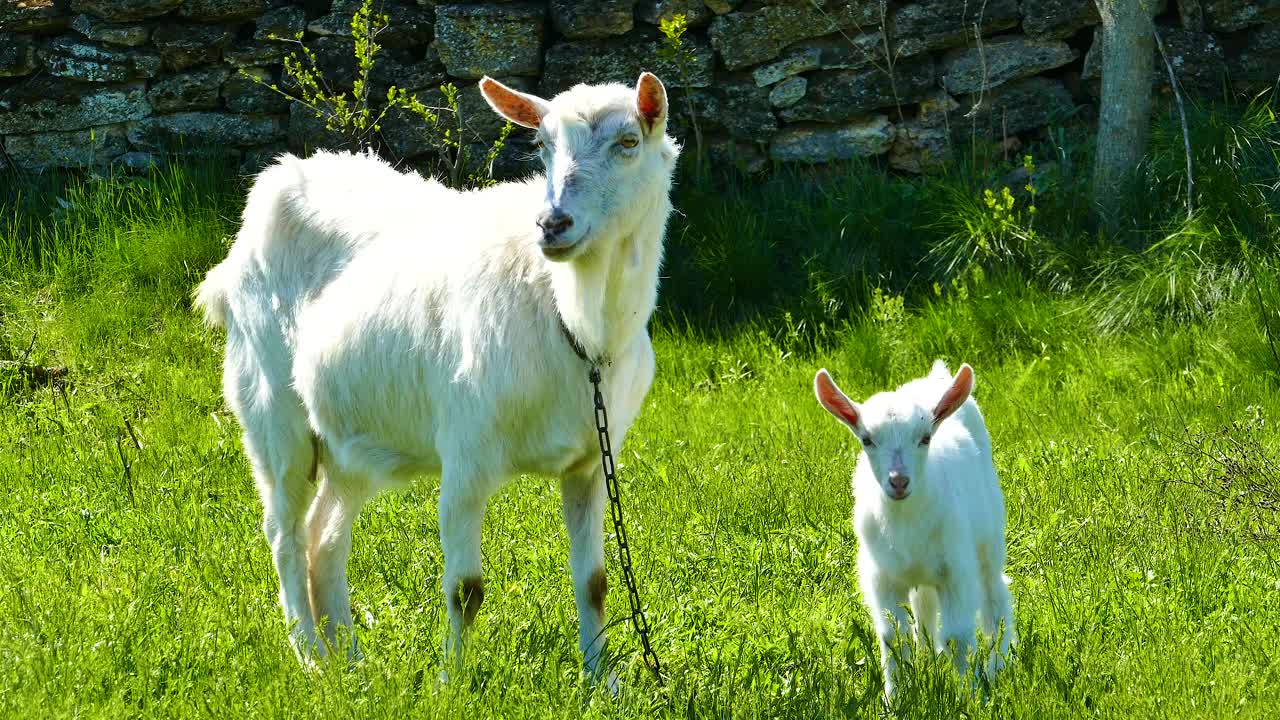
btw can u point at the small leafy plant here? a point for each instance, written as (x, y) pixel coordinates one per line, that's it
(999, 232)
(674, 50)
(357, 115)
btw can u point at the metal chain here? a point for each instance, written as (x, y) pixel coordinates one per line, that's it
(638, 620)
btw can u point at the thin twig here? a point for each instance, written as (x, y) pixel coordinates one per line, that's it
(30, 346)
(124, 463)
(128, 426)
(1182, 112)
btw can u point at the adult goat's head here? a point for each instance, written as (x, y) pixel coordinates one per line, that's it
(606, 152)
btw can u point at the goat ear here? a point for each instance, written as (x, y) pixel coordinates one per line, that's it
(651, 100)
(520, 108)
(955, 395)
(835, 401)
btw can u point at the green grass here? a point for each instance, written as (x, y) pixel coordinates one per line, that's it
(1139, 466)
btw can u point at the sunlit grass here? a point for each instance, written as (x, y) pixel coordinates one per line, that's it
(1146, 571)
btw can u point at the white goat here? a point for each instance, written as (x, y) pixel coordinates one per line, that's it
(380, 327)
(929, 515)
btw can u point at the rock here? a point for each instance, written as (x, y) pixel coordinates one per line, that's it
(137, 162)
(335, 23)
(788, 92)
(77, 148)
(52, 104)
(308, 133)
(195, 90)
(1231, 15)
(749, 38)
(935, 109)
(622, 60)
(1014, 107)
(1254, 68)
(720, 7)
(1197, 59)
(406, 26)
(336, 59)
(794, 63)
(17, 55)
(34, 16)
(745, 109)
(500, 40)
(186, 45)
(841, 95)
(1191, 15)
(848, 52)
(285, 22)
(745, 157)
(71, 57)
(696, 12)
(222, 10)
(125, 10)
(398, 67)
(409, 136)
(942, 17)
(933, 24)
(201, 130)
(818, 144)
(255, 54)
(1058, 18)
(594, 19)
(242, 94)
(918, 148)
(968, 70)
(111, 33)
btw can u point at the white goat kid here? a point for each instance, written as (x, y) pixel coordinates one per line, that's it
(929, 515)
(380, 327)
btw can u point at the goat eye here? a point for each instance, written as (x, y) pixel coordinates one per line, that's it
(925, 440)
(628, 141)
(868, 443)
(537, 143)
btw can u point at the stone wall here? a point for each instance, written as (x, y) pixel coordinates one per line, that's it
(86, 82)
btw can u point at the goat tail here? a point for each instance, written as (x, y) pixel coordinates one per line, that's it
(211, 296)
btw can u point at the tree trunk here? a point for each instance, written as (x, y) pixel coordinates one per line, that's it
(1128, 56)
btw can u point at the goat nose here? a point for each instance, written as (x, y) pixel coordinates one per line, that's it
(898, 481)
(554, 222)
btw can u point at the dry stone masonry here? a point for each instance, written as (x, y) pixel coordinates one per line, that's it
(93, 82)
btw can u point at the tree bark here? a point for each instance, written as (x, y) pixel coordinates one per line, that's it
(1128, 58)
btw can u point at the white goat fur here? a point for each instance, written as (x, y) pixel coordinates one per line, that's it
(381, 326)
(942, 546)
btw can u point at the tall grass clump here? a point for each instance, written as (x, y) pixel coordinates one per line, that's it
(810, 244)
(164, 228)
(1224, 250)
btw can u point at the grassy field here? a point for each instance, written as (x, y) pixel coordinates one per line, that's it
(1133, 424)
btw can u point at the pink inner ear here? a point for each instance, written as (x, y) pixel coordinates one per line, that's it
(649, 98)
(955, 395)
(513, 106)
(835, 401)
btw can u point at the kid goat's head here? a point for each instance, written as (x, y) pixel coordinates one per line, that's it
(606, 152)
(894, 427)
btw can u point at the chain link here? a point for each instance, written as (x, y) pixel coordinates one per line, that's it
(638, 620)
